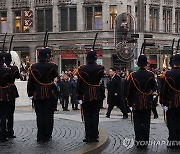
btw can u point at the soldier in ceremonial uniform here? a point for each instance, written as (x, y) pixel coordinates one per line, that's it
(14, 94)
(5, 97)
(170, 98)
(141, 84)
(89, 91)
(41, 87)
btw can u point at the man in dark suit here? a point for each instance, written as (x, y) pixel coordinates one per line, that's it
(114, 88)
(141, 85)
(65, 92)
(73, 92)
(41, 87)
(14, 94)
(5, 97)
(170, 98)
(89, 92)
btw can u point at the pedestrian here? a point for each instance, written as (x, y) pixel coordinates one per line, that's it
(5, 97)
(102, 93)
(57, 91)
(170, 99)
(141, 85)
(40, 86)
(14, 94)
(88, 91)
(73, 93)
(65, 92)
(114, 87)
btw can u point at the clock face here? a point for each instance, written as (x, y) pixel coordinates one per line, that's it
(125, 51)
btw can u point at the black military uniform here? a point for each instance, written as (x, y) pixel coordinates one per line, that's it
(170, 97)
(14, 94)
(5, 97)
(89, 92)
(141, 84)
(41, 86)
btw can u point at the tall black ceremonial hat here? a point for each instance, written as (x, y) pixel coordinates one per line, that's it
(142, 61)
(176, 60)
(42, 56)
(8, 57)
(91, 56)
(1, 57)
(171, 61)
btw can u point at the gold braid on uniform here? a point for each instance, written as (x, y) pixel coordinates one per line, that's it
(171, 85)
(92, 88)
(143, 100)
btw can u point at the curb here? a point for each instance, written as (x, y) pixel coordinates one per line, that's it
(95, 148)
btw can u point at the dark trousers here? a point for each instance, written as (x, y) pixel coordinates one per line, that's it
(142, 124)
(154, 110)
(115, 101)
(91, 118)
(45, 118)
(65, 102)
(10, 118)
(3, 116)
(74, 102)
(173, 123)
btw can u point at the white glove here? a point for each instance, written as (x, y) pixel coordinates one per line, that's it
(31, 97)
(131, 108)
(80, 101)
(165, 108)
(115, 94)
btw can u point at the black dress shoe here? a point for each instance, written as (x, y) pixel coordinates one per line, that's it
(125, 117)
(87, 140)
(107, 116)
(11, 136)
(3, 139)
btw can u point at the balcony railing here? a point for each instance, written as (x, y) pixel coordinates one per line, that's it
(155, 2)
(92, 1)
(168, 2)
(66, 2)
(20, 3)
(43, 2)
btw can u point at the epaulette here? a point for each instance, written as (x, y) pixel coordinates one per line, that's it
(29, 69)
(162, 76)
(129, 76)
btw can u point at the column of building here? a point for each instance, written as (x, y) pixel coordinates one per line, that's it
(161, 16)
(147, 16)
(9, 16)
(173, 16)
(55, 16)
(80, 16)
(106, 16)
(33, 9)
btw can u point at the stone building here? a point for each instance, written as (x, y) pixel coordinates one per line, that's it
(72, 25)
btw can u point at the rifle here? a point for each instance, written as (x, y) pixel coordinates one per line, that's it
(94, 42)
(4, 41)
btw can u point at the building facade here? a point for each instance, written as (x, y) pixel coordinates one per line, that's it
(72, 25)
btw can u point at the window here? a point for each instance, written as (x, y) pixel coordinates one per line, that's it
(167, 20)
(19, 23)
(3, 25)
(68, 19)
(177, 21)
(113, 14)
(44, 20)
(94, 18)
(153, 19)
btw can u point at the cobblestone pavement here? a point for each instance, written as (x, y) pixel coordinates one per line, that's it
(67, 137)
(68, 134)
